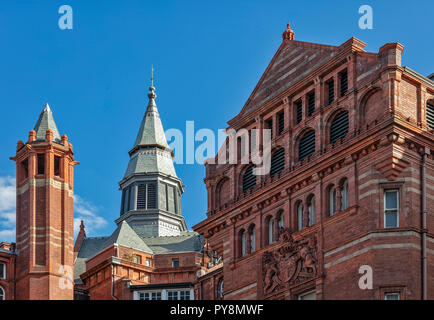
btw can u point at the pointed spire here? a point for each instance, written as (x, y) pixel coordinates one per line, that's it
(151, 132)
(45, 122)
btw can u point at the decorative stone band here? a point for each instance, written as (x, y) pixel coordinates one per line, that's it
(375, 247)
(46, 182)
(42, 229)
(252, 285)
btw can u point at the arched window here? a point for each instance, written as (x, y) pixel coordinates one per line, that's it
(281, 220)
(277, 162)
(306, 148)
(249, 179)
(339, 126)
(430, 114)
(252, 234)
(243, 243)
(220, 289)
(2, 294)
(344, 194)
(300, 215)
(311, 211)
(270, 229)
(332, 201)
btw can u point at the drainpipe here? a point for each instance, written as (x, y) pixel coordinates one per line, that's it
(426, 151)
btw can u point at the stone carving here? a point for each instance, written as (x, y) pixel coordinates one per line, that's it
(291, 263)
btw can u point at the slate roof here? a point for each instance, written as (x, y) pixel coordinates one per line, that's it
(45, 122)
(151, 153)
(125, 236)
(188, 241)
(89, 248)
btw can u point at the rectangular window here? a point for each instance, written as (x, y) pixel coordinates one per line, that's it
(310, 103)
(299, 110)
(148, 262)
(175, 263)
(391, 209)
(41, 163)
(343, 83)
(184, 295)
(25, 166)
(2, 271)
(57, 166)
(331, 91)
(172, 295)
(392, 296)
(137, 259)
(307, 296)
(281, 122)
(150, 296)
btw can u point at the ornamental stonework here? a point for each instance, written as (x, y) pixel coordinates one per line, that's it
(293, 262)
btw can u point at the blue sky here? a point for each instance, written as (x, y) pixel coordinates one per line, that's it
(208, 57)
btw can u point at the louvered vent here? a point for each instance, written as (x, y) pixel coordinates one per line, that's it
(152, 196)
(311, 103)
(277, 162)
(343, 83)
(430, 115)
(307, 145)
(249, 179)
(299, 110)
(339, 127)
(331, 91)
(281, 120)
(141, 196)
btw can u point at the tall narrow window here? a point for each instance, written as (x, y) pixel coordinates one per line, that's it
(249, 179)
(300, 216)
(310, 103)
(332, 199)
(281, 220)
(25, 167)
(2, 294)
(343, 83)
(123, 202)
(391, 209)
(252, 239)
(344, 199)
(307, 145)
(331, 91)
(299, 110)
(281, 122)
(57, 166)
(269, 125)
(277, 162)
(312, 211)
(152, 196)
(41, 163)
(243, 241)
(220, 289)
(270, 227)
(339, 126)
(2, 271)
(430, 115)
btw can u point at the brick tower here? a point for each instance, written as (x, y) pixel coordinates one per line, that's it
(44, 231)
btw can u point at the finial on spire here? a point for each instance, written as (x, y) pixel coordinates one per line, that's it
(288, 34)
(47, 107)
(151, 94)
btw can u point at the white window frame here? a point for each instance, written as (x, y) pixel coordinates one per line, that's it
(386, 210)
(148, 262)
(2, 293)
(388, 294)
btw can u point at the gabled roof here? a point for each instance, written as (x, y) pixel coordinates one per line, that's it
(293, 61)
(88, 248)
(125, 236)
(45, 122)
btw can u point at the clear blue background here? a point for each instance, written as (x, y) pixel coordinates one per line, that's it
(208, 57)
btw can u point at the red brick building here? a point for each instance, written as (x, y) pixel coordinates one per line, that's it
(351, 186)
